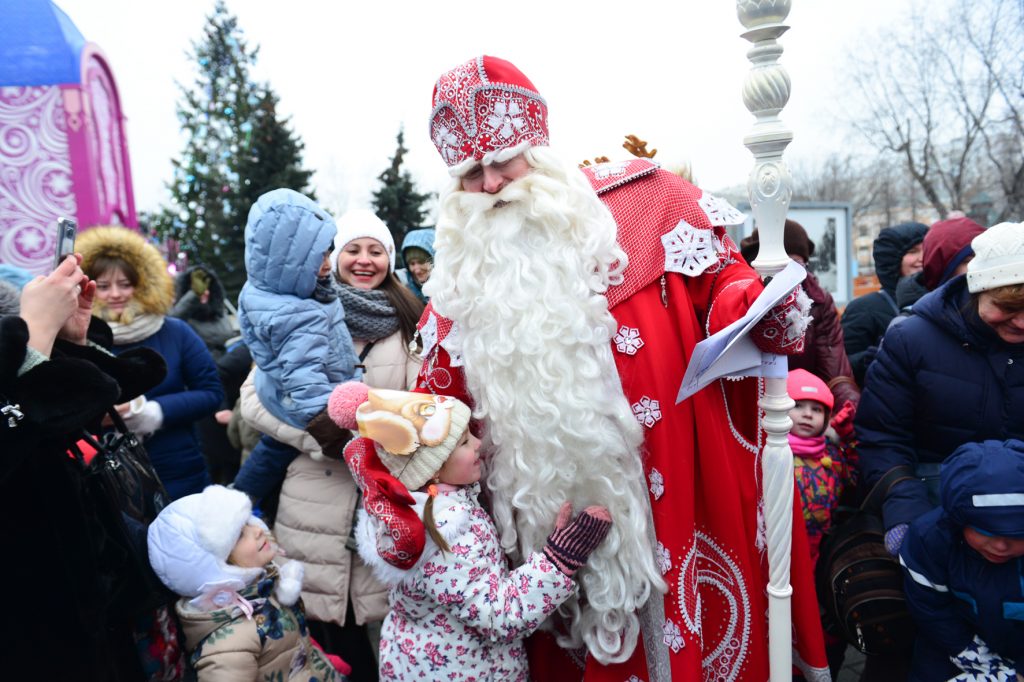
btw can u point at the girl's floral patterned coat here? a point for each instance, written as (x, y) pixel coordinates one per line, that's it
(461, 615)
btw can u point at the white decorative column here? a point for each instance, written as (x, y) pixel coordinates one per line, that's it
(770, 186)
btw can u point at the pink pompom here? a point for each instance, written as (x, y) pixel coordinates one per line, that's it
(344, 400)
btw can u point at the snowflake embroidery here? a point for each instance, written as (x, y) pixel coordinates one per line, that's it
(719, 211)
(506, 119)
(453, 345)
(657, 483)
(664, 559)
(647, 411)
(634, 678)
(672, 637)
(628, 340)
(428, 333)
(448, 143)
(689, 250)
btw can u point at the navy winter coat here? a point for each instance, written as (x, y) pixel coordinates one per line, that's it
(941, 379)
(953, 592)
(190, 391)
(867, 317)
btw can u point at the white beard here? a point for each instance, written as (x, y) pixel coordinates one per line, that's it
(524, 281)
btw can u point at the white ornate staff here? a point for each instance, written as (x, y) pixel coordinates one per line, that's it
(770, 186)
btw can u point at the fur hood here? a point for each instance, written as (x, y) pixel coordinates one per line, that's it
(453, 515)
(155, 291)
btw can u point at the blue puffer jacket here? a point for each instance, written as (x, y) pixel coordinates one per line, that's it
(301, 346)
(941, 379)
(954, 593)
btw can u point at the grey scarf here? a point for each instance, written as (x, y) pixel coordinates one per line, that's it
(369, 315)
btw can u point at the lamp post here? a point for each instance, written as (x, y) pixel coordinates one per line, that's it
(765, 93)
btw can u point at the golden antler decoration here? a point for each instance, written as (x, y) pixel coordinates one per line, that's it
(637, 147)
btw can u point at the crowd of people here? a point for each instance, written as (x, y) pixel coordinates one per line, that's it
(474, 467)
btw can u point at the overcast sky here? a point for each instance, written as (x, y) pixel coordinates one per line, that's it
(350, 73)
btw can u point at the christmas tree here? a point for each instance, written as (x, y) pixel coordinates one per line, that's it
(236, 149)
(397, 202)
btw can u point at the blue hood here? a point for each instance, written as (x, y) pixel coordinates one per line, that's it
(286, 237)
(983, 486)
(421, 239)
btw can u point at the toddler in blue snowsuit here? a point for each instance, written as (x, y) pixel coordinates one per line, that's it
(964, 568)
(294, 325)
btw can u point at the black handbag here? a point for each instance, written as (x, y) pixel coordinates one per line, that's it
(860, 585)
(127, 495)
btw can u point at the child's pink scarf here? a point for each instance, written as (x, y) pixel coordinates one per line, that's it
(808, 448)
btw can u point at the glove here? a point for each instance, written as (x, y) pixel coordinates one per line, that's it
(329, 436)
(146, 421)
(842, 422)
(894, 538)
(571, 543)
(200, 282)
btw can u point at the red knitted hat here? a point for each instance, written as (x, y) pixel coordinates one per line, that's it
(485, 110)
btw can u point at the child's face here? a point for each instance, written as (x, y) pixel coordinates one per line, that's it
(463, 465)
(325, 266)
(994, 548)
(808, 418)
(253, 549)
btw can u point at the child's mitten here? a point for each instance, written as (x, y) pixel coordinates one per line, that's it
(571, 543)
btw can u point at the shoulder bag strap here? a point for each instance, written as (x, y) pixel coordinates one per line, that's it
(873, 502)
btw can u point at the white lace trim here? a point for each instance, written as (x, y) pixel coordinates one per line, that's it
(452, 343)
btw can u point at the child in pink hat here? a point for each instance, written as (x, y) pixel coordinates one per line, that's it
(823, 469)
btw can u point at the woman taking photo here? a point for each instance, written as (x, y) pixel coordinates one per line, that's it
(134, 294)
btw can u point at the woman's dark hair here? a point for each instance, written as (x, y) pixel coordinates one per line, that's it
(103, 263)
(407, 307)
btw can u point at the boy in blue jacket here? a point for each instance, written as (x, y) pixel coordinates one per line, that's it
(964, 568)
(294, 325)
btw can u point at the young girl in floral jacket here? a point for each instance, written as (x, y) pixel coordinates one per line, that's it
(240, 612)
(457, 612)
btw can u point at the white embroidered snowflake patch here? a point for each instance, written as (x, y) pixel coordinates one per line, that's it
(689, 250)
(628, 340)
(657, 484)
(429, 334)
(506, 119)
(452, 343)
(672, 637)
(719, 211)
(664, 558)
(647, 411)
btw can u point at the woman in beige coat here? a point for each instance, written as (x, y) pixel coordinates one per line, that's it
(319, 498)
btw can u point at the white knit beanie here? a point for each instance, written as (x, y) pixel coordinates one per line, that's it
(998, 258)
(359, 223)
(415, 432)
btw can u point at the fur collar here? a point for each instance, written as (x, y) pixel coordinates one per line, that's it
(453, 512)
(155, 291)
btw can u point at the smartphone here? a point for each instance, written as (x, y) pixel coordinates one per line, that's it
(66, 229)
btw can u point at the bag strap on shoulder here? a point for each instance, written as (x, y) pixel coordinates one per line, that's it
(875, 498)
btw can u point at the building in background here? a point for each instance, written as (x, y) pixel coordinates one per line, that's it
(63, 150)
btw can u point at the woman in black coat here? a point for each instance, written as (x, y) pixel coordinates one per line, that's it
(59, 567)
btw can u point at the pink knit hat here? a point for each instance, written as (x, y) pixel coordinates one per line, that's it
(802, 385)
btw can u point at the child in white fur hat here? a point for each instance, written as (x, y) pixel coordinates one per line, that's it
(239, 611)
(457, 611)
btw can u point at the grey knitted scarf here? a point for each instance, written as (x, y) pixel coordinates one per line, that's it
(369, 315)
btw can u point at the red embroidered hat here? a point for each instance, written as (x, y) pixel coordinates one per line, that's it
(486, 110)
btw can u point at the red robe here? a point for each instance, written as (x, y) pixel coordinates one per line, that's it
(700, 456)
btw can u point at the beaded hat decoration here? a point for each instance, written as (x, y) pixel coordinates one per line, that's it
(483, 111)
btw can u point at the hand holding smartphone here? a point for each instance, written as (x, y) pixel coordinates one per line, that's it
(66, 231)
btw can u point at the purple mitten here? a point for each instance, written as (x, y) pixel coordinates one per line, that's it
(571, 542)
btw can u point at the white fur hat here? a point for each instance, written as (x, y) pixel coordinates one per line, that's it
(998, 258)
(359, 223)
(190, 540)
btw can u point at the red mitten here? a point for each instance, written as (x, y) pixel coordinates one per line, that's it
(842, 421)
(781, 330)
(400, 532)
